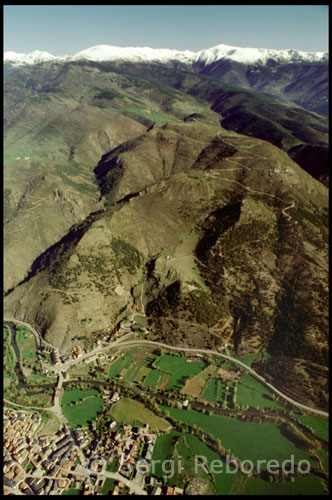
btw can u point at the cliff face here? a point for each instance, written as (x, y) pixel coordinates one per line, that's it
(210, 233)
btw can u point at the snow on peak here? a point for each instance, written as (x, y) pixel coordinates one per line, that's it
(35, 57)
(136, 54)
(147, 54)
(256, 56)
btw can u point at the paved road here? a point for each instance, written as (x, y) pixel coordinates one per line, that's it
(113, 475)
(37, 335)
(121, 342)
(233, 360)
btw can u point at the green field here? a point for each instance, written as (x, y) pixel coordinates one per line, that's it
(303, 485)
(155, 378)
(214, 390)
(26, 343)
(141, 321)
(324, 457)
(191, 446)
(172, 445)
(120, 364)
(14, 368)
(23, 337)
(72, 491)
(182, 373)
(5, 333)
(319, 426)
(179, 368)
(142, 373)
(154, 116)
(107, 486)
(252, 393)
(247, 440)
(169, 363)
(162, 451)
(74, 395)
(128, 410)
(113, 467)
(195, 385)
(249, 359)
(81, 412)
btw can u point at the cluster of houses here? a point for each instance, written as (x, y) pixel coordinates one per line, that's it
(50, 464)
(18, 428)
(132, 449)
(26, 455)
(55, 356)
(127, 446)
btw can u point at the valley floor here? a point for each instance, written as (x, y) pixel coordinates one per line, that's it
(140, 417)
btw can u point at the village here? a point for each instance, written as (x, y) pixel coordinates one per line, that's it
(50, 464)
(114, 409)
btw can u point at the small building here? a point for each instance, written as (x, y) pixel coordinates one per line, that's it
(91, 358)
(55, 357)
(77, 351)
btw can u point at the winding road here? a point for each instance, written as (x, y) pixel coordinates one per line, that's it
(132, 343)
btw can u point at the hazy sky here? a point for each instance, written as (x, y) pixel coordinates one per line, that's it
(66, 29)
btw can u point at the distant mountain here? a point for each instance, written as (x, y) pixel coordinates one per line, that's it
(147, 54)
(35, 57)
(124, 190)
(295, 76)
(267, 117)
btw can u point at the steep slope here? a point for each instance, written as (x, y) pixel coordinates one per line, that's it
(123, 194)
(205, 230)
(59, 121)
(262, 116)
(302, 83)
(296, 76)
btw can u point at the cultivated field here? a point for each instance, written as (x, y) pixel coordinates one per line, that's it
(247, 440)
(195, 385)
(191, 446)
(303, 485)
(128, 410)
(214, 390)
(254, 394)
(319, 426)
(81, 406)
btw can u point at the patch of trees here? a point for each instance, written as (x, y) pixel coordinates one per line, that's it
(202, 307)
(127, 255)
(215, 225)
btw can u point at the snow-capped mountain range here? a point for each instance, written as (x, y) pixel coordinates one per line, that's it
(147, 54)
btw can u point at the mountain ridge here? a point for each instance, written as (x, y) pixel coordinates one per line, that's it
(245, 55)
(130, 194)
